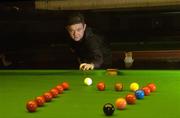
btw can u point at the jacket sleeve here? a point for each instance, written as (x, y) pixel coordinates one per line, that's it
(95, 51)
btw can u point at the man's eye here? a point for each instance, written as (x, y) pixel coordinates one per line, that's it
(79, 29)
(70, 31)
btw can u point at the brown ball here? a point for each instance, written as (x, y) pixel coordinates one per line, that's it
(118, 86)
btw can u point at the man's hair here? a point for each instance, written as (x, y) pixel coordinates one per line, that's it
(75, 18)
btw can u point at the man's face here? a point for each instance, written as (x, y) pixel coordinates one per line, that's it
(76, 31)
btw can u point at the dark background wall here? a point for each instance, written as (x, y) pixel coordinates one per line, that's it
(36, 39)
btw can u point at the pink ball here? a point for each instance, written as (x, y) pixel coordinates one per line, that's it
(121, 103)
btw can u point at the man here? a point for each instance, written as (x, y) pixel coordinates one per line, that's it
(90, 48)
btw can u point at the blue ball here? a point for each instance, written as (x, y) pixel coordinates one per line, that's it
(139, 94)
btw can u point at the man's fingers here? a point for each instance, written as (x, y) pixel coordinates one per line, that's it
(82, 66)
(88, 67)
(92, 66)
(85, 66)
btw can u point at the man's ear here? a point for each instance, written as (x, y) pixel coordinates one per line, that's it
(84, 26)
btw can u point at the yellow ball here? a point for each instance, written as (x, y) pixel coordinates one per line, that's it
(88, 81)
(134, 86)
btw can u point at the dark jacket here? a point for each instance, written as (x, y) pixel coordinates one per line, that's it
(92, 49)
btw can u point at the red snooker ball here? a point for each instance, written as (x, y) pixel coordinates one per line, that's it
(65, 85)
(131, 99)
(54, 92)
(146, 90)
(152, 87)
(60, 89)
(118, 86)
(40, 100)
(101, 86)
(31, 106)
(48, 96)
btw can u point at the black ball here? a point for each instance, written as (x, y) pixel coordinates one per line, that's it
(108, 109)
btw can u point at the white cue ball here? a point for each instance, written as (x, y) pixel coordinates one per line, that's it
(88, 81)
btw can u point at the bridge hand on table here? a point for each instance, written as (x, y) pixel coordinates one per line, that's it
(86, 66)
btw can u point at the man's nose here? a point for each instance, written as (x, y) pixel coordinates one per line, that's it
(75, 33)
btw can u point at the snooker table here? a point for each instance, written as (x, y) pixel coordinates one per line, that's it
(81, 101)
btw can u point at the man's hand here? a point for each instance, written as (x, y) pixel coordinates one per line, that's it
(86, 66)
